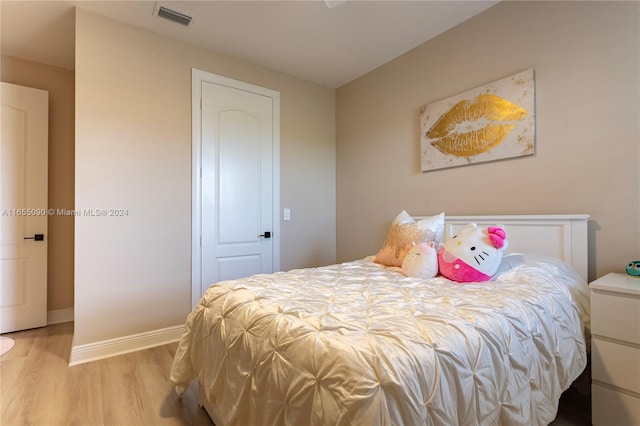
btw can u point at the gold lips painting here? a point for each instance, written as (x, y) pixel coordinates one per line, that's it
(491, 122)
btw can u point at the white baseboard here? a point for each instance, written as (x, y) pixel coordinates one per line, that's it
(59, 316)
(81, 354)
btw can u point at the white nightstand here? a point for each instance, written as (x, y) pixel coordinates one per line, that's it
(615, 350)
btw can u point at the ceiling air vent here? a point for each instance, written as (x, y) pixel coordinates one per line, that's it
(172, 15)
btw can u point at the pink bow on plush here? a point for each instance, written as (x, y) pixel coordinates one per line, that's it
(496, 236)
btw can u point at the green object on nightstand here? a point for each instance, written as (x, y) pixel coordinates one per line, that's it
(633, 268)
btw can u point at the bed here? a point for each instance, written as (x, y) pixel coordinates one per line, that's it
(359, 343)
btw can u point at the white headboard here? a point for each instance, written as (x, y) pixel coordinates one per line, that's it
(562, 236)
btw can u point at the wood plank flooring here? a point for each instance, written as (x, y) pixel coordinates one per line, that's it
(37, 387)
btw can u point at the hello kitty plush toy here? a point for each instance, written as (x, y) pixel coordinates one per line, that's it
(473, 255)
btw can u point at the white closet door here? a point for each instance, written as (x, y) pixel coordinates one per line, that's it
(238, 182)
(23, 224)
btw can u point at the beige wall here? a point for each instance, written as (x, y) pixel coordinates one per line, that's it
(586, 61)
(59, 82)
(133, 151)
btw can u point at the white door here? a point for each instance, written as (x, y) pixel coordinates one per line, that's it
(23, 224)
(239, 207)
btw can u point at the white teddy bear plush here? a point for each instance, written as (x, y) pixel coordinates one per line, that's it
(421, 261)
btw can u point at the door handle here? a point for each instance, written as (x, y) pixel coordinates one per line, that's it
(36, 237)
(265, 235)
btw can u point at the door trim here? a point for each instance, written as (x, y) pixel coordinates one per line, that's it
(197, 78)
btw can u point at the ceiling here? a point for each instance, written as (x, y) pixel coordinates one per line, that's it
(330, 43)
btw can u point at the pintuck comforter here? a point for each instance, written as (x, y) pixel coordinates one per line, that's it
(361, 344)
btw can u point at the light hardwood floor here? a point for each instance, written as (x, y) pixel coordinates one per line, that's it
(38, 387)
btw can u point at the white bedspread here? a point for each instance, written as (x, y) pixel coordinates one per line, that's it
(361, 344)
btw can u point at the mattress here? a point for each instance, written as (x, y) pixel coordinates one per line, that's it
(359, 343)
